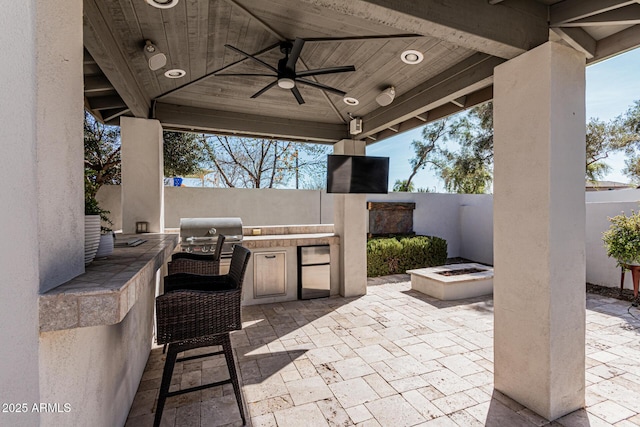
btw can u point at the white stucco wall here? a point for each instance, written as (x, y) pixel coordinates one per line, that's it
(18, 263)
(602, 270)
(109, 198)
(97, 370)
(255, 206)
(629, 195)
(476, 227)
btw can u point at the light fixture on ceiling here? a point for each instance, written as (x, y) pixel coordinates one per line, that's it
(156, 58)
(349, 100)
(176, 73)
(162, 4)
(411, 57)
(286, 83)
(386, 96)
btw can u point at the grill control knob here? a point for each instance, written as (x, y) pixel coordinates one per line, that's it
(212, 231)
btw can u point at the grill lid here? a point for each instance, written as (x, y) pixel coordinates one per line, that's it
(193, 230)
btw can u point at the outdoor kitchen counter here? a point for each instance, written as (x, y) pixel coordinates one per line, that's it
(105, 293)
(282, 240)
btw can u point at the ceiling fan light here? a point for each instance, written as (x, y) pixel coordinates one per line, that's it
(286, 83)
(411, 57)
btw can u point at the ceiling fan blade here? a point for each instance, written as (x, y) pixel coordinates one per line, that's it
(298, 44)
(264, 89)
(296, 93)
(321, 86)
(245, 74)
(330, 70)
(260, 61)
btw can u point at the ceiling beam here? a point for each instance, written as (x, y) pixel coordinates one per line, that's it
(505, 30)
(469, 75)
(214, 121)
(106, 102)
(617, 43)
(628, 15)
(473, 99)
(572, 10)
(96, 84)
(104, 47)
(578, 39)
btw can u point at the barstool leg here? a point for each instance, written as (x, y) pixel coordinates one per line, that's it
(169, 364)
(228, 354)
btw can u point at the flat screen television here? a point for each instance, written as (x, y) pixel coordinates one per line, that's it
(357, 174)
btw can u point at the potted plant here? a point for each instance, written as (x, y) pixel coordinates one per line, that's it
(622, 239)
(107, 236)
(91, 226)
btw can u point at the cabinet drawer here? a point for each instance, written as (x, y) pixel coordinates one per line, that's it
(270, 274)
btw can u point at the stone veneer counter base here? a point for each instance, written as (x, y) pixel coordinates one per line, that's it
(430, 282)
(105, 293)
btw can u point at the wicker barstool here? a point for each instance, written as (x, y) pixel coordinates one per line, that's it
(200, 311)
(184, 262)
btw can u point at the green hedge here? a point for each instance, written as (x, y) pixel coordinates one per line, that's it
(391, 255)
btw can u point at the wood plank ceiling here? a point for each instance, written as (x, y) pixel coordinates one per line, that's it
(461, 42)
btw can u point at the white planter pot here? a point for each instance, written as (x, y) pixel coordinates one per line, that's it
(91, 237)
(105, 248)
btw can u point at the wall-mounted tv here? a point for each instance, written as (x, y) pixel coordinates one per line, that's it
(357, 174)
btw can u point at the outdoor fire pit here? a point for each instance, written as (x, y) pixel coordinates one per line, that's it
(453, 281)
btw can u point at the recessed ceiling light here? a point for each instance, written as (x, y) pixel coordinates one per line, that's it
(411, 57)
(350, 100)
(163, 4)
(176, 73)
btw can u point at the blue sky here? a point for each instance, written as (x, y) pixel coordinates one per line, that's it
(612, 86)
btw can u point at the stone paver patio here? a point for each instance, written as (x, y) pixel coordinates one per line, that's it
(394, 357)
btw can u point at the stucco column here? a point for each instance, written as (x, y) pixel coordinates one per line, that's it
(42, 216)
(350, 223)
(539, 229)
(142, 174)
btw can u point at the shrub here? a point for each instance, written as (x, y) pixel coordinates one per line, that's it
(383, 256)
(391, 255)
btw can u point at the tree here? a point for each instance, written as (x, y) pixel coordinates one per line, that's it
(471, 169)
(403, 186)
(602, 139)
(264, 163)
(424, 150)
(630, 141)
(101, 154)
(184, 153)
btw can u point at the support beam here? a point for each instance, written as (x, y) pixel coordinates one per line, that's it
(572, 10)
(628, 15)
(215, 121)
(106, 102)
(578, 39)
(142, 174)
(459, 101)
(105, 48)
(539, 237)
(445, 110)
(616, 44)
(470, 75)
(350, 219)
(505, 31)
(96, 84)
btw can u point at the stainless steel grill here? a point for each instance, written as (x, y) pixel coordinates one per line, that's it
(199, 235)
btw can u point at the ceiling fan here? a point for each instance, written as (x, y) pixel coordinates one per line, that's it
(286, 75)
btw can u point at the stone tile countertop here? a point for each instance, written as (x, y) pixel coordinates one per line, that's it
(105, 293)
(282, 240)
